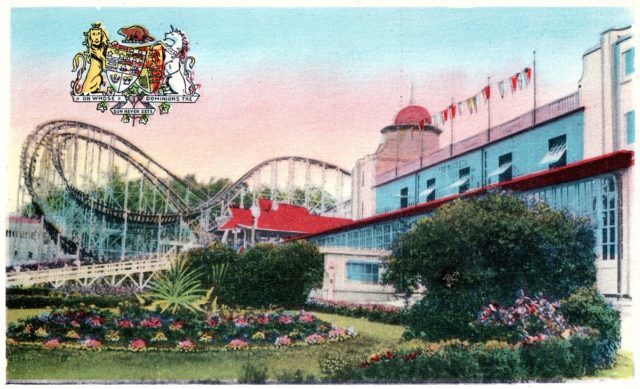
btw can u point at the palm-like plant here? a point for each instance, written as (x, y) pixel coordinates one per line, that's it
(177, 288)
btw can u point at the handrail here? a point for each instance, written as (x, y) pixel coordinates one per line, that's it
(155, 263)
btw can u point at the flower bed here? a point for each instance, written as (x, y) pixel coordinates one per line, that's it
(535, 342)
(374, 312)
(141, 330)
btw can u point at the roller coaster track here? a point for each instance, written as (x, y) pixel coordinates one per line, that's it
(70, 169)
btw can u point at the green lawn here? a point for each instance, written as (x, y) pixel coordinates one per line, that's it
(71, 365)
(75, 365)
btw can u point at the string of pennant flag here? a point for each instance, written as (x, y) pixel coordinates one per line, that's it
(518, 81)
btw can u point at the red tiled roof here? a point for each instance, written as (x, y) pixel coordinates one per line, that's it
(575, 171)
(286, 217)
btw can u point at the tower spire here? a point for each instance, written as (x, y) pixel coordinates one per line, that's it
(411, 101)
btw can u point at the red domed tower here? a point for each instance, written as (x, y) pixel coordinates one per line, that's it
(413, 115)
(409, 137)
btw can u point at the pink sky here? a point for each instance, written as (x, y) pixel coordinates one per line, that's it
(243, 119)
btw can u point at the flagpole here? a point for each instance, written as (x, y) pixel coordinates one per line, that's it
(451, 150)
(535, 88)
(488, 104)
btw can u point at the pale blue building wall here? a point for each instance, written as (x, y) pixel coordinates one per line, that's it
(527, 148)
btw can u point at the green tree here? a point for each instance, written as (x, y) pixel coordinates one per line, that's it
(274, 275)
(476, 250)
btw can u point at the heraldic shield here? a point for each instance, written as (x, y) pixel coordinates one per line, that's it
(128, 65)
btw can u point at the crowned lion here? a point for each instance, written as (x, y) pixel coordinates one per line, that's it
(96, 40)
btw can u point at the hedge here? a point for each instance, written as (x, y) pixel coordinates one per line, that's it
(30, 291)
(25, 302)
(456, 361)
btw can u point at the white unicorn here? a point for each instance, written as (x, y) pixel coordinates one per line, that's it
(177, 65)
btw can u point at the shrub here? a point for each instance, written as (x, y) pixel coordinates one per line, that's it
(499, 362)
(274, 275)
(177, 288)
(209, 261)
(586, 307)
(482, 249)
(297, 377)
(25, 302)
(29, 291)
(548, 360)
(253, 374)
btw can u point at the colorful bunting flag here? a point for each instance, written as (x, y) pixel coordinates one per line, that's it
(453, 111)
(514, 82)
(501, 88)
(476, 101)
(528, 73)
(471, 104)
(487, 92)
(445, 113)
(460, 108)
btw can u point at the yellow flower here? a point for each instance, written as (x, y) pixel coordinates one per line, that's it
(72, 335)
(28, 329)
(159, 337)
(205, 338)
(42, 332)
(12, 342)
(112, 336)
(258, 335)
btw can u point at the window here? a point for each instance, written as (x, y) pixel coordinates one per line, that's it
(630, 124)
(430, 192)
(628, 58)
(504, 170)
(404, 197)
(557, 154)
(609, 219)
(465, 175)
(363, 272)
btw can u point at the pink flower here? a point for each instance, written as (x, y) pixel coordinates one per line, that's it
(92, 343)
(337, 333)
(95, 321)
(285, 319)
(125, 323)
(52, 343)
(186, 345)
(176, 325)
(74, 323)
(241, 321)
(238, 344)
(151, 322)
(283, 341)
(314, 339)
(137, 345)
(306, 318)
(263, 319)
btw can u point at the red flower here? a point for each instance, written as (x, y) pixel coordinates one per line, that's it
(96, 321)
(388, 355)
(263, 319)
(375, 358)
(151, 322)
(125, 323)
(213, 321)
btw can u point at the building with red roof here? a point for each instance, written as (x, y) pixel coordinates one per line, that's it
(270, 221)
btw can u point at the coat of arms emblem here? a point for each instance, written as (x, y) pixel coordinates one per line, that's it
(135, 73)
